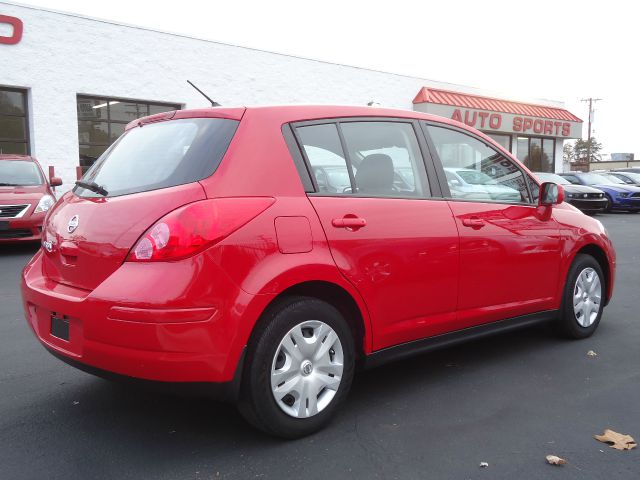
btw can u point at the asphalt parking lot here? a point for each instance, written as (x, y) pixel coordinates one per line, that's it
(508, 401)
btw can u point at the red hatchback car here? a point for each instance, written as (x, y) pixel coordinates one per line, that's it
(268, 252)
(25, 197)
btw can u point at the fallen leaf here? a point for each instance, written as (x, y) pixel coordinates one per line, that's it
(484, 464)
(554, 460)
(617, 440)
(591, 353)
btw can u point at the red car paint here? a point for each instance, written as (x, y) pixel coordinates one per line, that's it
(27, 225)
(412, 268)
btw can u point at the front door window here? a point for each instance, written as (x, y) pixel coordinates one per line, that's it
(476, 171)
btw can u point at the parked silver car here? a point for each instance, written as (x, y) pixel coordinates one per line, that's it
(477, 185)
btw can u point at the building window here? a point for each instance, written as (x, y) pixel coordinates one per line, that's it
(102, 120)
(537, 153)
(503, 140)
(14, 125)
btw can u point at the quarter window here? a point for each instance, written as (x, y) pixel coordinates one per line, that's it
(321, 144)
(477, 172)
(382, 159)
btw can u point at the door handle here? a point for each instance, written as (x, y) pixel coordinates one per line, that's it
(351, 223)
(473, 222)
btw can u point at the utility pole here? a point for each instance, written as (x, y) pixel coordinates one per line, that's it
(591, 102)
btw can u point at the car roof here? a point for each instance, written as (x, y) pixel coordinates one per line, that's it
(7, 156)
(297, 113)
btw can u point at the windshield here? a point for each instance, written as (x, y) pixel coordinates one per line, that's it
(595, 179)
(475, 178)
(19, 173)
(614, 179)
(161, 155)
(635, 177)
(552, 177)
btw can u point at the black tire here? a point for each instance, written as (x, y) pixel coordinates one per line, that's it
(257, 403)
(609, 205)
(568, 323)
(634, 211)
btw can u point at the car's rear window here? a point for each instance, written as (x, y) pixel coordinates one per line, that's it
(161, 155)
(19, 173)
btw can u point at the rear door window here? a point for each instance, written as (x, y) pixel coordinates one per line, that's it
(386, 158)
(161, 155)
(373, 159)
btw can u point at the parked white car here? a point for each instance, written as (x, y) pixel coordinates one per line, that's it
(465, 182)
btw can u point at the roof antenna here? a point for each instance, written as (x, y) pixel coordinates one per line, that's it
(213, 104)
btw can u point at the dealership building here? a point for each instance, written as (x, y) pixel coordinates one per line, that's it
(69, 85)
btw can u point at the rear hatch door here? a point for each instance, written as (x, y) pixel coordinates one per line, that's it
(150, 171)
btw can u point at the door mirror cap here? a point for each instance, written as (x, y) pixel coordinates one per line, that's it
(551, 194)
(55, 181)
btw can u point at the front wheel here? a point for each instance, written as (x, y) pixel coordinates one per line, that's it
(299, 368)
(609, 205)
(583, 296)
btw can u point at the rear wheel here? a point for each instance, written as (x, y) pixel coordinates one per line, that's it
(583, 298)
(299, 368)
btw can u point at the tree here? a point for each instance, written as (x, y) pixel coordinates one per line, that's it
(580, 150)
(568, 154)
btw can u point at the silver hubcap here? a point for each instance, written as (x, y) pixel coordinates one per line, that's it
(587, 295)
(307, 369)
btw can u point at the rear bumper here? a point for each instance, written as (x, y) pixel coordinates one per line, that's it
(118, 329)
(226, 391)
(21, 229)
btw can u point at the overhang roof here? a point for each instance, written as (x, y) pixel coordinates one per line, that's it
(468, 100)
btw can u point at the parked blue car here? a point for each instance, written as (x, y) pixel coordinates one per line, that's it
(619, 195)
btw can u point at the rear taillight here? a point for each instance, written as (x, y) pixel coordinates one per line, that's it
(196, 226)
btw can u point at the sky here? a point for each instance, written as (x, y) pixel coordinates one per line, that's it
(562, 50)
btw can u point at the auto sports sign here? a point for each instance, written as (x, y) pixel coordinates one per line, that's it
(10, 30)
(508, 122)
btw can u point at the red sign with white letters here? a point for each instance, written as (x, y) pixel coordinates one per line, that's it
(16, 36)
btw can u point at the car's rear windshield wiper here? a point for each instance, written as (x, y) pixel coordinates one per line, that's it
(9, 184)
(93, 186)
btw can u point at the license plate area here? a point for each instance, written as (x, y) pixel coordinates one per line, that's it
(60, 327)
(4, 225)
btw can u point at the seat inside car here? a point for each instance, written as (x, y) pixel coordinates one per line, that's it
(375, 174)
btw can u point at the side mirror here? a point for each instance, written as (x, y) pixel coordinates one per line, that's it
(55, 181)
(551, 194)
